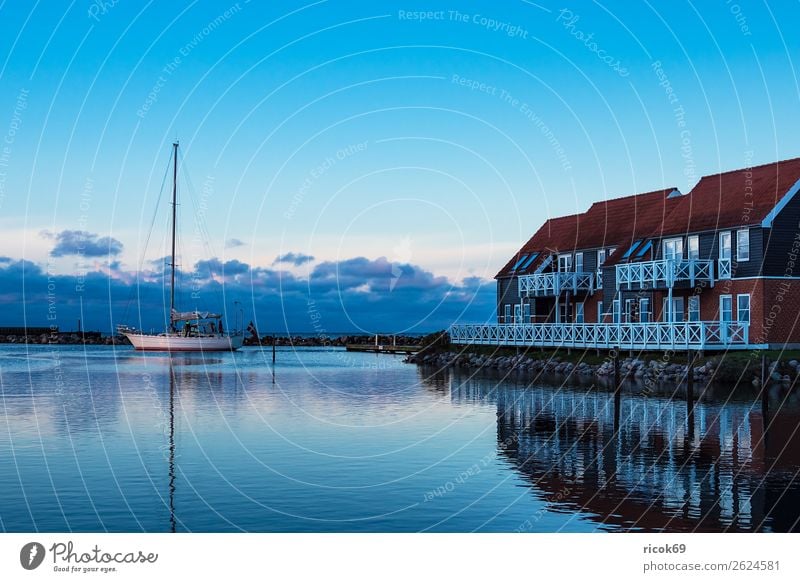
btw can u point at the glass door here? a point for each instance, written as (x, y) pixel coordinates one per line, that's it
(724, 263)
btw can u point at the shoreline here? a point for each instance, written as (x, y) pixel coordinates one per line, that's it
(646, 368)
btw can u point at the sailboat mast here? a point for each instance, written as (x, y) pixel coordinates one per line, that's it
(174, 220)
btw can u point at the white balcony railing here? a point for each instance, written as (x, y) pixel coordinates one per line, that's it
(700, 335)
(665, 273)
(724, 269)
(552, 284)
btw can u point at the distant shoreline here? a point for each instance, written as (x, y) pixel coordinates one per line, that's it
(71, 338)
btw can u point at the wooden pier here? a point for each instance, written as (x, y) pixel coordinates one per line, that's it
(382, 349)
(379, 348)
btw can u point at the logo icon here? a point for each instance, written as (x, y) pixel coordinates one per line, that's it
(31, 555)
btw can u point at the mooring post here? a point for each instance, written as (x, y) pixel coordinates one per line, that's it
(274, 339)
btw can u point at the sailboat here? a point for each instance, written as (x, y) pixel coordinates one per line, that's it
(188, 331)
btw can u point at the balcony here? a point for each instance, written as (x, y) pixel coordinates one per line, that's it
(695, 335)
(552, 284)
(664, 273)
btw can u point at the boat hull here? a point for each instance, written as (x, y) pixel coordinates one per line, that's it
(178, 343)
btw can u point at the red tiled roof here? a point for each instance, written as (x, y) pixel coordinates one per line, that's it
(607, 223)
(733, 198)
(723, 200)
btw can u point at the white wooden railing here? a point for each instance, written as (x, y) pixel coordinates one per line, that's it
(552, 284)
(665, 273)
(707, 335)
(724, 269)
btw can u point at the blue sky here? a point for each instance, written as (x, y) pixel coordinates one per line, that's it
(416, 143)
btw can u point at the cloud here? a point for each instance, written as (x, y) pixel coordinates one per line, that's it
(82, 243)
(232, 243)
(337, 297)
(295, 259)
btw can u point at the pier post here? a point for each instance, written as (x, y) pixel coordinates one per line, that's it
(274, 339)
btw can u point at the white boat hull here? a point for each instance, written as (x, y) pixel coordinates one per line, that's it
(179, 343)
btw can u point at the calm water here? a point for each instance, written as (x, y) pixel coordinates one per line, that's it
(103, 439)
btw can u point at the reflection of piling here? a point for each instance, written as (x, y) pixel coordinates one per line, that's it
(765, 378)
(690, 359)
(617, 391)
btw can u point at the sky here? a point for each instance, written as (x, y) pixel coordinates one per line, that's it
(353, 166)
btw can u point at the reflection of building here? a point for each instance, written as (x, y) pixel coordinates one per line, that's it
(704, 270)
(654, 475)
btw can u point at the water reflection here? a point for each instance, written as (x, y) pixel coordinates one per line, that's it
(650, 463)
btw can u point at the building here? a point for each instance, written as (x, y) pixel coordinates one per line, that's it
(716, 268)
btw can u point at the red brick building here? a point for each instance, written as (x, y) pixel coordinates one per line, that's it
(715, 268)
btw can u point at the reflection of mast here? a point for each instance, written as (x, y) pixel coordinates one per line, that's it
(171, 448)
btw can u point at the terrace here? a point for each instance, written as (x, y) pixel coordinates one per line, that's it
(696, 335)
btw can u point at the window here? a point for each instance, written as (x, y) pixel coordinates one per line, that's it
(632, 248)
(676, 316)
(507, 313)
(579, 262)
(526, 313)
(527, 263)
(565, 263)
(519, 262)
(645, 248)
(579, 313)
(725, 308)
(601, 257)
(518, 314)
(673, 248)
(743, 308)
(742, 245)
(694, 308)
(599, 312)
(693, 243)
(644, 310)
(725, 245)
(615, 308)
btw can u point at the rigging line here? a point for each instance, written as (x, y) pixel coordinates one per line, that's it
(135, 289)
(200, 223)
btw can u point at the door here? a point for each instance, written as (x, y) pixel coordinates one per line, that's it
(579, 262)
(725, 315)
(518, 314)
(725, 309)
(644, 310)
(674, 315)
(565, 263)
(724, 263)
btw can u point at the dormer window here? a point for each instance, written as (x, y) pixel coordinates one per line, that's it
(519, 262)
(632, 248)
(645, 249)
(527, 263)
